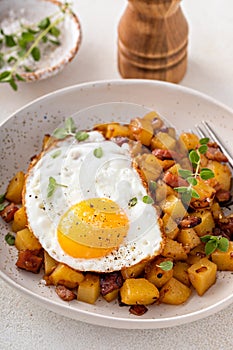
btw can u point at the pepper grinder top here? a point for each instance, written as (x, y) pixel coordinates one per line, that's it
(152, 40)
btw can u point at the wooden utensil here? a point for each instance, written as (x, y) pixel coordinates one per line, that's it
(152, 40)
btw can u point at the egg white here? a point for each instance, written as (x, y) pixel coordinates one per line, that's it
(74, 165)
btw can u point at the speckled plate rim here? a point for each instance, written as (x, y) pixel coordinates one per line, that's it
(91, 316)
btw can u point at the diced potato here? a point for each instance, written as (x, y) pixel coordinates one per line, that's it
(111, 295)
(196, 254)
(175, 169)
(163, 140)
(180, 272)
(66, 276)
(133, 271)
(15, 188)
(49, 264)
(223, 260)
(206, 195)
(138, 291)
(216, 211)
(153, 116)
(174, 292)
(163, 190)
(166, 163)
(222, 174)
(173, 206)
(188, 141)
(170, 226)
(149, 166)
(189, 238)
(114, 130)
(202, 275)
(142, 130)
(25, 240)
(155, 274)
(89, 289)
(174, 250)
(207, 222)
(20, 220)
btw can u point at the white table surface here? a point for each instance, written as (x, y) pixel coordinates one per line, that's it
(23, 323)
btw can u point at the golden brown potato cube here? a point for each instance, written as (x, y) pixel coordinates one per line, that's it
(66, 276)
(188, 141)
(155, 274)
(149, 166)
(115, 130)
(174, 250)
(207, 222)
(25, 240)
(173, 206)
(163, 190)
(166, 163)
(163, 140)
(189, 238)
(196, 254)
(142, 130)
(216, 211)
(138, 291)
(222, 174)
(49, 264)
(170, 226)
(20, 220)
(175, 169)
(180, 272)
(89, 289)
(202, 275)
(111, 295)
(223, 260)
(174, 292)
(133, 271)
(206, 195)
(15, 188)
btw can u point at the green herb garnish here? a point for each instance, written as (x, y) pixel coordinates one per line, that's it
(2, 198)
(81, 135)
(3, 206)
(10, 239)
(52, 186)
(152, 185)
(98, 152)
(166, 265)
(188, 192)
(132, 202)
(215, 242)
(25, 43)
(56, 154)
(147, 200)
(70, 130)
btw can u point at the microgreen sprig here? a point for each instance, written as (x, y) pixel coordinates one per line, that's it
(215, 242)
(70, 130)
(25, 42)
(10, 239)
(188, 192)
(52, 186)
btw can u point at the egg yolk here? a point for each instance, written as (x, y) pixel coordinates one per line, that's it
(92, 228)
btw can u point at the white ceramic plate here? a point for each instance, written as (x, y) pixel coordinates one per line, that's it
(21, 138)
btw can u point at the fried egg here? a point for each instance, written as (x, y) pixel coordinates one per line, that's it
(78, 200)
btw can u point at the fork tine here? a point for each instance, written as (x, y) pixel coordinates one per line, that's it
(200, 132)
(217, 140)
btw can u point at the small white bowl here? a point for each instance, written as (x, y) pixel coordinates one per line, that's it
(33, 11)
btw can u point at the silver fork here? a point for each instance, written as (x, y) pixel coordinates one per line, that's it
(215, 138)
(207, 131)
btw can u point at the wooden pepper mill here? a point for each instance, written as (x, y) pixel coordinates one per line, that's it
(152, 40)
